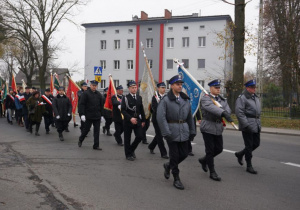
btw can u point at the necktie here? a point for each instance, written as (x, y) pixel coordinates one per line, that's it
(177, 98)
(217, 98)
(133, 97)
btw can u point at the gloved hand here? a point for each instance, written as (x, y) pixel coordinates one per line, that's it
(57, 117)
(119, 107)
(83, 118)
(191, 137)
(69, 114)
(226, 115)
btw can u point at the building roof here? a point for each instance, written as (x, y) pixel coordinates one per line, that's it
(159, 20)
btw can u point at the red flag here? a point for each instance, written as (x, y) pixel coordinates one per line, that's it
(110, 92)
(51, 84)
(72, 94)
(13, 83)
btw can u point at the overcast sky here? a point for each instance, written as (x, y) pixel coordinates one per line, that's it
(72, 37)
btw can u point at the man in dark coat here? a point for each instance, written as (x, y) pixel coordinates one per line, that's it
(84, 87)
(247, 110)
(10, 105)
(91, 108)
(117, 116)
(175, 121)
(134, 120)
(26, 95)
(107, 114)
(62, 108)
(48, 118)
(158, 139)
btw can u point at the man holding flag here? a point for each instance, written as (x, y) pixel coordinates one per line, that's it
(117, 116)
(26, 95)
(48, 117)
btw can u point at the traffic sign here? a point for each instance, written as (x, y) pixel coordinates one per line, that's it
(98, 78)
(97, 70)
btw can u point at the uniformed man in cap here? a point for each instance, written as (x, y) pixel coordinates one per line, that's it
(212, 127)
(48, 117)
(107, 114)
(134, 120)
(247, 110)
(84, 87)
(175, 121)
(91, 108)
(117, 116)
(158, 139)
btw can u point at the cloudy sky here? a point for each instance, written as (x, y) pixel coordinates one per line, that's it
(72, 37)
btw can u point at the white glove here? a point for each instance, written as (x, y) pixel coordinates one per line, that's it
(83, 118)
(57, 117)
(69, 114)
(119, 106)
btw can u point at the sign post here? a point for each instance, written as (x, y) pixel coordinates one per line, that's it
(98, 73)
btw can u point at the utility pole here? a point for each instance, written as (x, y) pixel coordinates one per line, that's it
(260, 52)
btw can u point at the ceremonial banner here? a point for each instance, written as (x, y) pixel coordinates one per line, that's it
(51, 84)
(13, 83)
(147, 91)
(110, 92)
(23, 84)
(56, 84)
(72, 94)
(192, 89)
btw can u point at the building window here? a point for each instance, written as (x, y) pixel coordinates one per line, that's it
(170, 42)
(103, 44)
(185, 63)
(170, 28)
(169, 64)
(130, 31)
(103, 64)
(117, 31)
(130, 43)
(117, 64)
(185, 42)
(116, 82)
(103, 31)
(130, 64)
(149, 43)
(202, 26)
(117, 44)
(150, 61)
(201, 63)
(168, 84)
(103, 84)
(201, 82)
(202, 41)
(149, 29)
(185, 28)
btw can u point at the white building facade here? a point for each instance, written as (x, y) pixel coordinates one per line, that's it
(115, 46)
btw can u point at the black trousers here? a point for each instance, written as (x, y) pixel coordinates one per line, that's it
(178, 151)
(213, 147)
(118, 132)
(145, 128)
(128, 146)
(61, 125)
(37, 127)
(18, 116)
(26, 120)
(82, 124)
(48, 120)
(251, 141)
(86, 129)
(108, 122)
(158, 140)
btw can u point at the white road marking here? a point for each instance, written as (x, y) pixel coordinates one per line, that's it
(230, 151)
(291, 164)
(150, 135)
(193, 143)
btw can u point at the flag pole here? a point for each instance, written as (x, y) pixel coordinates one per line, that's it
(214, 101)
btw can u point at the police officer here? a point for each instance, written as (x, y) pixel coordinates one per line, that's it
(134, 120)
(212, 127)
(91, 108)
(62, 108)
(247, 110)
(117, 116)
(175, 121)
(48, 118)
(158, 139)
(107, 114)
(84, 87)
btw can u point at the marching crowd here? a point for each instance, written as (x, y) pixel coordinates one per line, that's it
(171, 117)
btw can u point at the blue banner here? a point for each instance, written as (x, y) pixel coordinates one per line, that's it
(192, 89)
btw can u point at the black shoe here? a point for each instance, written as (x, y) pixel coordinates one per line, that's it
(103, 129)
(47, 132)
(61, 138)
(177, 183)
(133, 155)
(67, 130)
(145, 142)
(167, 170)
(251, 170)
(121, 144)
(108, 133)
(239, 158)
(165, 156)
(191, 154)
(11, 122)
(37, 134)
(79, 143)
(203, 163)
(97, 148)
(130, 158)
(152, 151)
(75, 125)
(214, 176)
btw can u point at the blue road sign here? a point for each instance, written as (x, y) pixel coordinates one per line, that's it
(97, 70)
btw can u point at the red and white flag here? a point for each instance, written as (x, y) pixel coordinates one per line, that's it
(110, 92)
(72, 94)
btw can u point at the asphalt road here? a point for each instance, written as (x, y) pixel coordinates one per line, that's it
(44, 173)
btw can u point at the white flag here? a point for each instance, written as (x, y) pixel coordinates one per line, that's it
(147, 92)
